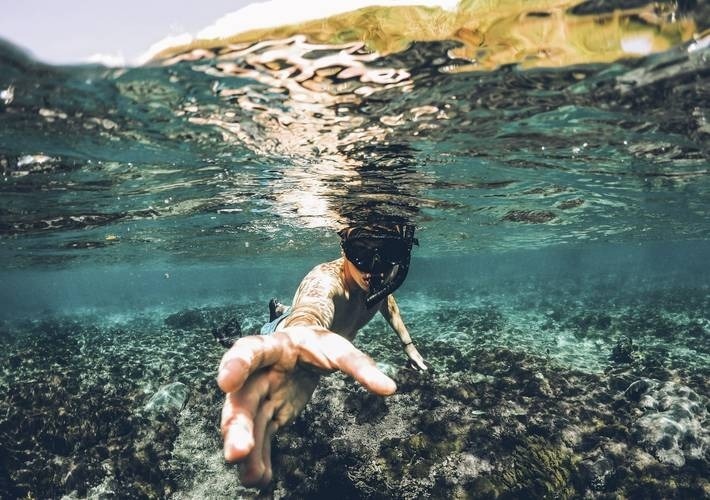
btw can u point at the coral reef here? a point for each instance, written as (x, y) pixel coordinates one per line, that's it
(527, 398)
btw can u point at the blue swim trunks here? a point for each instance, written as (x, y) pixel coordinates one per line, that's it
(270, 327)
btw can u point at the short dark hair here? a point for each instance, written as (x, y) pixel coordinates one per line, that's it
(373, 232)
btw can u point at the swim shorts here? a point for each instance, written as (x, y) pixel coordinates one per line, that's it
(270, 327)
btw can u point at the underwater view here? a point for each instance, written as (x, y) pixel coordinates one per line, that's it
(554, 158)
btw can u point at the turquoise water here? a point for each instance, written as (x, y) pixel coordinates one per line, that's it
(563, 221)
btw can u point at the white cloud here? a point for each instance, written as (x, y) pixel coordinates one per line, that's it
(110, 60)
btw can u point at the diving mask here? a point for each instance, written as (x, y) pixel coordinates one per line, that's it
(383, 253)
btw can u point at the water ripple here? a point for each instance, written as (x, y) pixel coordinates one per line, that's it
(234, 142)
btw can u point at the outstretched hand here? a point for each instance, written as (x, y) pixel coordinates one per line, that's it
(267, 382)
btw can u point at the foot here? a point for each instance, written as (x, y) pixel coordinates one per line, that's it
(276, 309)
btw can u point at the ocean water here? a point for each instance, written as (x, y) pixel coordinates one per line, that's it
(554, 159)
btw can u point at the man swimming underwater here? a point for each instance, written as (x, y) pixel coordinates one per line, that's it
(269, 378)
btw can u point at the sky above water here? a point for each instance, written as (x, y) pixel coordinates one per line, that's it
(72, 31)
(118, 33)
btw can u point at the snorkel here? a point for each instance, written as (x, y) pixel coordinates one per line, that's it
(379, 290)
(386, 257)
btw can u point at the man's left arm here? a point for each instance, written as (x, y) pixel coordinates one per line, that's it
(390, 311)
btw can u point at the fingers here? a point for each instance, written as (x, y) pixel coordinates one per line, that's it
(246, 356)
(347, 358)
(416, 360)
(237, 430)
(238, 418)
(266, 453)
(418, 365)
(255, 472)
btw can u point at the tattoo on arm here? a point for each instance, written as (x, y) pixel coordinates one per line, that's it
(313, 302)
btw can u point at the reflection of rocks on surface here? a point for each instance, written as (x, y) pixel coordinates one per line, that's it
(530, 216)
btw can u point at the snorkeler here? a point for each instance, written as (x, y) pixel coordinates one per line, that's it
(269, 378)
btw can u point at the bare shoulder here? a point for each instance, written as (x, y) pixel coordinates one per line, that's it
(324, 279)
(313, 303)
(330, 269)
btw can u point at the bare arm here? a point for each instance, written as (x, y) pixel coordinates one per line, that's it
(313, 301)
(266, 388)
(390, 311)
(269, 379)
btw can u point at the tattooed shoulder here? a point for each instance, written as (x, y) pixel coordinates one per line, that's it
(313, 301)
(323, 279)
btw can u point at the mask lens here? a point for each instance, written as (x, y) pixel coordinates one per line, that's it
(360, 255)
(381, 267)
(393, 251)
(375, 257)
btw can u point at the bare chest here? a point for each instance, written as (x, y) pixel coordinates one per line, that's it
(351, 314)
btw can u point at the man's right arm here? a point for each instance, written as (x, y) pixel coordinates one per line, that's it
(266, 388)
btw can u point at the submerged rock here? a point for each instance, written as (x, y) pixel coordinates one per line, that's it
(186, 320)
(365, 406)
(595, 472)
(674, 424)
(539, 386)
(624, 351)
(169, 399)
(227, 333)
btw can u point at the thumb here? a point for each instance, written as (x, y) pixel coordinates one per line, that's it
(341, 354)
